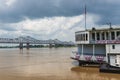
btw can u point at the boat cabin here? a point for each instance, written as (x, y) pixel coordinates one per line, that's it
(98, 45)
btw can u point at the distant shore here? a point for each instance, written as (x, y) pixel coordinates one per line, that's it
(38, 46)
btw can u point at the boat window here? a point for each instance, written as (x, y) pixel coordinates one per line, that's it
(118, 35)
(86, 37)
(98, 36)
(77, 37)
(93, 36)
(83, 37)
(115, 60)
(103, 36)
(113, 46)
(112, 35)
(107, 37)
(80, 37)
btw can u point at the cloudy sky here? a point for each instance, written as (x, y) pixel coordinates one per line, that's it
(51, 19)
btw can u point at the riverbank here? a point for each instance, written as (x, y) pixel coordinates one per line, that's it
(40, 46)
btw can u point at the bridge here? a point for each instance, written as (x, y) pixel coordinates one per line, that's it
(29, 40)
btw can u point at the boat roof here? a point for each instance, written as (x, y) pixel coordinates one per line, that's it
(100, 29)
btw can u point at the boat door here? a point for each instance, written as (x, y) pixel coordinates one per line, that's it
(113, 60)
(118, 61)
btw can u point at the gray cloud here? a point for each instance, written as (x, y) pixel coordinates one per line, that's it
(7, 27)
(107, 9)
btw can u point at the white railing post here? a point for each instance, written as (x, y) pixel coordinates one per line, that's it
(93, 56)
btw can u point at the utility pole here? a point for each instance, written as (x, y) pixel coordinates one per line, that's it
(85, 18)
(110, 25)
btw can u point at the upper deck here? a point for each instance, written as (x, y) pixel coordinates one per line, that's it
(98, 36)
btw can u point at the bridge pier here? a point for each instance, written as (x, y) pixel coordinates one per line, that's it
(56, 45)
(27, 46)
(50, 45)
(21, 45)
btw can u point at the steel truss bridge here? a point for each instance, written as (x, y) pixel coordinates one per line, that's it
(29, 40)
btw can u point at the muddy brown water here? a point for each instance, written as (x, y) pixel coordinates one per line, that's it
(46, 64)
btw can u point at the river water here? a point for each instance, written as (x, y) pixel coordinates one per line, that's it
(46, 64)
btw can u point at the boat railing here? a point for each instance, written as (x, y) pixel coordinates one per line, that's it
(88, 56)
(104, 41)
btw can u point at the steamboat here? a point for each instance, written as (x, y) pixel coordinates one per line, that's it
(99, 46)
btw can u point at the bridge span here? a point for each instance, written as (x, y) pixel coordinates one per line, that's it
(29, 40)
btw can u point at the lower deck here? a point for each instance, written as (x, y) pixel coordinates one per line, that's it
(90, 52)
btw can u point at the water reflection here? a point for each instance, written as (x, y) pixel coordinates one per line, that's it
(92, 73)
(21, 51)
(27, 52)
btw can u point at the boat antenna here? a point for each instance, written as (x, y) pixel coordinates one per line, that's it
(85, 17)
(110, 25)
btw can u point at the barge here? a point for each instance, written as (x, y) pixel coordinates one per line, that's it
(99, 46)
